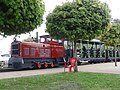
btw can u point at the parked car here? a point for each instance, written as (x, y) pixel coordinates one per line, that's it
(4, 58)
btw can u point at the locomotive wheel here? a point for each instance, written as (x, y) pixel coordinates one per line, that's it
(90, 62)
(98, 61)
(35, 66)
(52, 65)
(101, 61)
(79, 63)
(94, 61)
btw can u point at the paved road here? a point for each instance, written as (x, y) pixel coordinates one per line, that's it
(99, 68)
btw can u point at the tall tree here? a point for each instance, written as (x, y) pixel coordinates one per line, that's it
(20, 16)
(83, 19)
(112, 36)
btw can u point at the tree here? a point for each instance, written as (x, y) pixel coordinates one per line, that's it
(112, 36)
(20, 16)
(29, 39)
(32, 39)
(83, 19)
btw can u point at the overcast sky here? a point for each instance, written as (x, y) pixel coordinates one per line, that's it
(50, 5)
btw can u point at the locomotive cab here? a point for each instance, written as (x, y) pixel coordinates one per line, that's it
(47, 40)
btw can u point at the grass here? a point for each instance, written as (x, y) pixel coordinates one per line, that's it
(63, 81)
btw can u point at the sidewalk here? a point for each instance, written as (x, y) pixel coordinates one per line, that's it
(97, 68)
(101, 68)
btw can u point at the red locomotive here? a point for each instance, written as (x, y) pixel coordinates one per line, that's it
(46, 53)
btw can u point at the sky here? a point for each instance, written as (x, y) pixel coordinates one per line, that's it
(49, 6)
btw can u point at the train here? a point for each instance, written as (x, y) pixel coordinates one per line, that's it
(46, 53)
(53, 53)
(97, 52)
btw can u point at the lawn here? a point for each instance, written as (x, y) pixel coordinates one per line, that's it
(63, 81)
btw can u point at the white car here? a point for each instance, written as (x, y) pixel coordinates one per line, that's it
(4, 58)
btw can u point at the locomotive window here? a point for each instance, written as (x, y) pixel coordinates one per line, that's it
(32, 51)
(60, 41)
(45, 39)
(26, 51)
(42, 40)
(15, 46)
(54, 40)
(48, 39)
(15, 52)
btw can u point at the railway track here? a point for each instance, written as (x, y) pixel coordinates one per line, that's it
(5, 69)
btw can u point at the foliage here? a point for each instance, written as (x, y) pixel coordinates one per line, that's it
(63, 81)
(78, 20)
(20, 16)
(30, 39)
(112, 36)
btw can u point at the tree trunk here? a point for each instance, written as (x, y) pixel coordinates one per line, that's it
(115, 57)
(75, 55)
